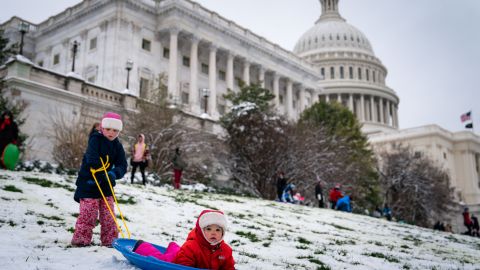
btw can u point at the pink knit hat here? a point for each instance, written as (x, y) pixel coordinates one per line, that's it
(112, 120)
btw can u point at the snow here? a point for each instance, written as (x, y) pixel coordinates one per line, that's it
(74, 75)
(35, 224)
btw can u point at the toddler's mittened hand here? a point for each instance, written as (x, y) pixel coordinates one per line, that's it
(113, 177)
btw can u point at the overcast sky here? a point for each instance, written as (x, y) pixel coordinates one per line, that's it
(431, 48)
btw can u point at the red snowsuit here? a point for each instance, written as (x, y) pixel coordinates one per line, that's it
(335, 194)
(198, 252)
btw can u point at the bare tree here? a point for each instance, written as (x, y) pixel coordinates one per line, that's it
(417, 190)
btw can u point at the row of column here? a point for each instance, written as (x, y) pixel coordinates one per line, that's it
(387, 114)
(194, 101)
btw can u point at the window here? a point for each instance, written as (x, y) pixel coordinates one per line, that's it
(146, 44)
(56, 59)
(221, 109)
(350, 72)
(368, 75)
(186, 61)
(93, 43)
(166, 53)
(40, 63)
(280, 98)
(144, 87)
(373, 76)
(332, 73)
(222, 75)
(91, 79)
(322, 71)
(342, 73)
(204, 68)
(359, 73)
(237, 81)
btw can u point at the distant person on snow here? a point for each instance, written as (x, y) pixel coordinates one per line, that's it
(334, 195)
(288, 192)
(281, 183)
(204, 247)
(475, 226)
(319, 194)
(178, 167)
(344, 204)
(467, 221)
(140, 156)
(105, 145)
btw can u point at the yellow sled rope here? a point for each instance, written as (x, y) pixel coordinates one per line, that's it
(104, 168)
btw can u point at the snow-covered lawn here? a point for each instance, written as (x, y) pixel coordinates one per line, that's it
(37, 217)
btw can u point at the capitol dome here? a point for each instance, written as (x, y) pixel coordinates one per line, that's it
(352, 74)
(332, 35)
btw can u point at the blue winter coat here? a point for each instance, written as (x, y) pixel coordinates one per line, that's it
(343, 204)
(100, 146)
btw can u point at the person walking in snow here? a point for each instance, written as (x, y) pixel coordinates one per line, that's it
(281, 183)
(204, 247)
(387, 212)
(140, 156)
(105, 145)
(475, 226)
(319, 194)
(178, 167)
(334, 195)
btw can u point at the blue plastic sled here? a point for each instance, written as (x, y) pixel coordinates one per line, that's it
(125, 247)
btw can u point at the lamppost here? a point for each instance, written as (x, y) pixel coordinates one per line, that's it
(205, 94)
(129, 67)
(23, 29)
(74, 51)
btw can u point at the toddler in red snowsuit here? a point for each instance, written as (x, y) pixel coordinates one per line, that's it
(204, 247)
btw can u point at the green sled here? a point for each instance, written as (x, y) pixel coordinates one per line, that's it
(10, 156)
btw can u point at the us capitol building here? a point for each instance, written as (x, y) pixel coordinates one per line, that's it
(123, 47)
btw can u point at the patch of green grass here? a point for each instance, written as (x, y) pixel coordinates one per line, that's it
(344, 242)
(253, 227)
(236, 243)
(303, 241)
(12, 188)
(130, 200)
(266, 244)
(415, 240)
(71, 230)
(301, 247)
(46, 183)
(405, 247)
(377, 243)
(406, 266)
(6, 199)
(40, 222)
(251, 255)
(51, 217)
(341, 227)
(251, 236)
(11, 223)
(382, 256)
(75, 215)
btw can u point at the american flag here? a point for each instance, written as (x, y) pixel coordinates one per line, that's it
(466, 116)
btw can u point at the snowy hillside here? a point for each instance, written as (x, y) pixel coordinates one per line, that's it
(37, 217)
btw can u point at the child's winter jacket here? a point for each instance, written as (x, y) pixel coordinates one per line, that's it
(100, 146)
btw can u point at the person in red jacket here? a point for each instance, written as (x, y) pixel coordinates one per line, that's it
(204, 247)
(334, 195)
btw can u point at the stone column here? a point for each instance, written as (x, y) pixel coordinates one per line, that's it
(261, 77)
(193, 95)
(301, 102)
(289, 101)
(350, 103)
(276, 90)
(212, 82)
(173, 65)
(230, 75)
(381, 110)
(389, 119)
(362, 108)
(246, 72)
(339, 98)
(373, 115)
(395, 116)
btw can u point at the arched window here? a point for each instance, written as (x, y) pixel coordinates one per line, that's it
(368, 75)
(359, 73)
(332, 73)
(322, 72)
(373, 76)
(342, 73)
(350, 72)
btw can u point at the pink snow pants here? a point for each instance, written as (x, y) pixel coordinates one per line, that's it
(90, 210)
